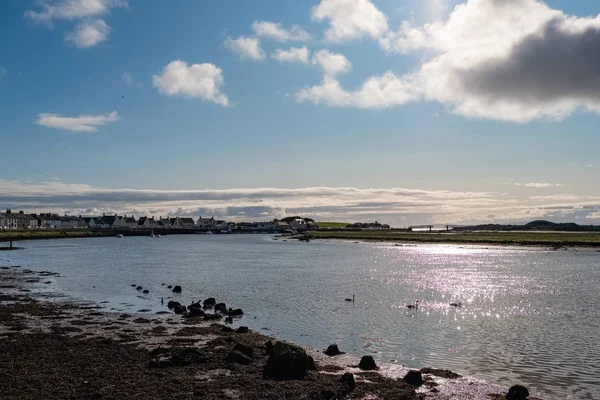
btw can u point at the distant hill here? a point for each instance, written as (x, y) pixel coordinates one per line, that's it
(538, 225)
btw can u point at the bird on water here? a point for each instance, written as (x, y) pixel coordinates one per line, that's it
(459, 304)
(352, 299)
(413, 306)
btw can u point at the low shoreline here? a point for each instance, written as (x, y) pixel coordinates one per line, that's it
(549, 240)
(61, 349)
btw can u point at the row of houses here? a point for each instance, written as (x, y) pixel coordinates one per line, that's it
(20, 220)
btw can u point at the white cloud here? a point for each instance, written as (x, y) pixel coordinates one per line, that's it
(390, 205)
(275, 31)
(331, 63)
(515, 61)
(350, 19)
(538, 185)
(201, 81)
(246, 47)
(82, 123)
(88, 33)
(127, 77)
(383, 91)
(293, 55)
(72, 9)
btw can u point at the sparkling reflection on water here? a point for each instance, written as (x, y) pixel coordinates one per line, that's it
(528, 316)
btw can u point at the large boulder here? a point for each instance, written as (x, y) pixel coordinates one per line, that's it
(195, 312)
(243, 329)
(414, 378)
(367, 363)
(177, 289)
(172, 304)
(348, 380)
(287, 362)
(333, 350)
(210, 302)
(234, 313)
(221, 307)
(517, 392)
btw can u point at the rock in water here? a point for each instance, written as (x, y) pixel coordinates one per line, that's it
(177, 289)
(195, 312)
(234, 313)
(367, 363)
(333, 350)
(210, 302)
(172, 304)
(139, 288)
(221, 307)
(146, 291)
(287, 362)
(517, 392)
(243, 329)
(413, 378)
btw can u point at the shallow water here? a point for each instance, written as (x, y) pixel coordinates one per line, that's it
(528, 316)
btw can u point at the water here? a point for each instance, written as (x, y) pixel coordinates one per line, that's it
(528, 316)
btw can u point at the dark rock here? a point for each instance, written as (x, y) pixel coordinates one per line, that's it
(413, 378)
(243, 329)
(226, 329)
(229, 320)
(348, 380)
(517, 392)
(237, 357)
(367, 363)
(269, 346)
(195, 312)
(146, 291)
(333, 350)
(287, 362)
(210, 302)
(246, 350)
(442, 373)
(221, 307)
(141, 321)
(134, 285)
(162, 284)
(169, 287)
(210, 317)
(162, 312)
(177, 289)
(236, 312)
(179, 309)
(172, 304)
(139, 288)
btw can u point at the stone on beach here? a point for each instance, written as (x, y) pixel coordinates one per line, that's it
(177, 289)
(367, 363)
(414, 378)
(517, 392)
(243, 329)
(288, 362)
(210, 302)
(333, 350)
(348, 380)
(238, 357)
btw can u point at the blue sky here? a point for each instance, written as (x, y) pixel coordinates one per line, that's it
(381, 96)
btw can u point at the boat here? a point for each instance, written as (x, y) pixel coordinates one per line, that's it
(120, 235)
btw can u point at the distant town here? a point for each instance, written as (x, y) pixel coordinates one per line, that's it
(22, 221)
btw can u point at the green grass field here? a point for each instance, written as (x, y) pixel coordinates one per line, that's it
(332, 225)
(499, 238)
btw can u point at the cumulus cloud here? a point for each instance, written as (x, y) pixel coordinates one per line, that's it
(129, 80)
(394, 205)
(88, 33)
(350, 19)
(383, 91)
(293, 55)
(538, 185)
(201, 81)
(516, 60)
(246, 47)
(273, 30)
(331, 63)
(82, 123)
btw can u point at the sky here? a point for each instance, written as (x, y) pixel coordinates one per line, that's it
(401, 111)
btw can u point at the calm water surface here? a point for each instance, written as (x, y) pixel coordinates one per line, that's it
(528, 316)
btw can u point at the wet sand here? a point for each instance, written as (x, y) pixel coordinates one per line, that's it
(52, 348)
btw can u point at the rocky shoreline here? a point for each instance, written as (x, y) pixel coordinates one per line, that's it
(66, 350)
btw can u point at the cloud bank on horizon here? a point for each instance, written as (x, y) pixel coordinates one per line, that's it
(397, 206)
